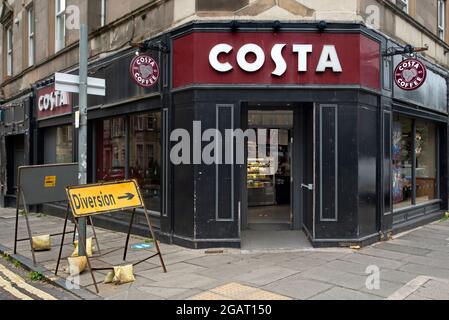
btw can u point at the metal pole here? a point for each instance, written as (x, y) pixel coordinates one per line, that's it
(82, 132)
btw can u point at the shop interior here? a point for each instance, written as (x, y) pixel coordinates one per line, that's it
(269, 170)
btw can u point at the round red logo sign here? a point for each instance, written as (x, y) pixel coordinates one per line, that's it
(144, 71)
(410, 74)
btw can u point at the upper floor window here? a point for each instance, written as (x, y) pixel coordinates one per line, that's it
(31, 43)
(60, 24)
(403, 4)
(103, 13)
(441, 18)
(9, 51)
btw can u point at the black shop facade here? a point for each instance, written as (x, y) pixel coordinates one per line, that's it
(357, 157)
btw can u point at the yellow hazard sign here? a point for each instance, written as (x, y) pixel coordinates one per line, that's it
(101, 198)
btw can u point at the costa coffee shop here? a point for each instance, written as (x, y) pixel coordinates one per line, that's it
(361, 132)
(54, 138)
(359, 157)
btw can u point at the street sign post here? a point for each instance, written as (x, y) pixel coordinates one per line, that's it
(83, 85)
(71, 83)
(96, 199)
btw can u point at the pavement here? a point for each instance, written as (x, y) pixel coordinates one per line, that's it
(413, 265)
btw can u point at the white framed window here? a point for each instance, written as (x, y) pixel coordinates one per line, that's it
(403, 5)
(60, 24)
(441, 18)
(9, 51)
(103, 13)
(31, 43)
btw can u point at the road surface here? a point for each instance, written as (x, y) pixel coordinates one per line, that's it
(16, 284)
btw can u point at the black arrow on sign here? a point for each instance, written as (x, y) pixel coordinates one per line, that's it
(128, 196)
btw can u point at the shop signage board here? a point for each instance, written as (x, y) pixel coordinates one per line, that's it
(267, 58)
(144, 70)
(410, 74)
(431, 92)
(51, 102)
(101, 198)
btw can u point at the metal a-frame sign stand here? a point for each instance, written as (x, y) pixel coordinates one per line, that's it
(44, 184)
(111, 197)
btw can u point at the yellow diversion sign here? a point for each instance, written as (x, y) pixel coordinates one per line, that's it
(101, 198)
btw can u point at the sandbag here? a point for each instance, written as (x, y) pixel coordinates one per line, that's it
(42, 243)
(89, 248)
(120, 275)
(124, 274)
(77, 265)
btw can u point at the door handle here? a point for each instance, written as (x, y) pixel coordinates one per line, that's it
(307, 186)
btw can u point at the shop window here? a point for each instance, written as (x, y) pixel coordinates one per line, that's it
(64, 139)
(111, 150)
(426, 158)
(145, 157)
(143, 148)
(402, 162)
(414, 162)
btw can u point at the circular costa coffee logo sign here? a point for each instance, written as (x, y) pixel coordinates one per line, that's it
(144, 71)
(410, 74)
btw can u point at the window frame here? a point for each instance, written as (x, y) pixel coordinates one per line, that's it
(403, 5)
(9, 50)
(441, 19)
(31, 33)
(103, 13)
(60, 35)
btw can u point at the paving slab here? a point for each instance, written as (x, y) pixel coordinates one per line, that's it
(298, 288)
(335, 277)
(403, 249)
(426, 270)
(338, 293)
(375, 251)
(366, 261)
(261, 277)
(186, 281)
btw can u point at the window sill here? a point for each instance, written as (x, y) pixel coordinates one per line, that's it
(417, 206)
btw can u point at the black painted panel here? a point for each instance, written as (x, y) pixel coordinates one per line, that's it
(329, 162)
(225, 172)
(368, 152)
(387, 163)
(183, 175)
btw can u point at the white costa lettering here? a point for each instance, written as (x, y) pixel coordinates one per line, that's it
(53, 100)
(213, 57)
(254, 49)
(328, 58)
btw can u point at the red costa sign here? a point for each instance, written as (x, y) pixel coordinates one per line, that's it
(410, 74)
(267, 58)
(144, 71)
(52, 103)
